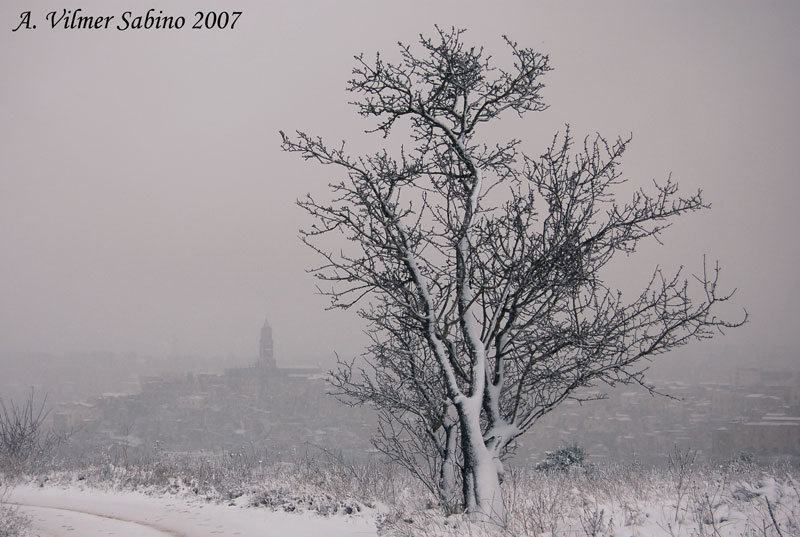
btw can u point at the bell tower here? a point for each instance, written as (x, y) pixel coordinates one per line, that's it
(266, 358)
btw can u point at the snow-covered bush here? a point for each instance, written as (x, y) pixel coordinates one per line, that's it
(12, 522)
(563, 459)
(311, 480)
(631, 500)
(685, 498)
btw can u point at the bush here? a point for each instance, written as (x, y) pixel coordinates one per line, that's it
(12, 522)
(24, 439)
(563, 459)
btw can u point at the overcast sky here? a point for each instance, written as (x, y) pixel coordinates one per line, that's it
(145, 204)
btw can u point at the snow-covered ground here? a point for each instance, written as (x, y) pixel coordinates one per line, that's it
(640, 503)
(229, 497)
(79, 512)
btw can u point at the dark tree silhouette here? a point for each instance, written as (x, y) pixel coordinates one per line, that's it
(480, 269)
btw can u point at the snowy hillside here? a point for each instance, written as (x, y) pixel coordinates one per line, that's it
(232, 497)
(56, 511)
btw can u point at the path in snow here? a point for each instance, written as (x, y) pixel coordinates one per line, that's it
(52, 522)
(73, 512)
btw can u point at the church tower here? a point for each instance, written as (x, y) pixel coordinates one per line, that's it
(266, 357)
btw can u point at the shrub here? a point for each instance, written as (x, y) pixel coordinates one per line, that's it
(12, 522)
(24, 439)
(563, 459)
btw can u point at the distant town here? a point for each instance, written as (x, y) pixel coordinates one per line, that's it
(754, 414)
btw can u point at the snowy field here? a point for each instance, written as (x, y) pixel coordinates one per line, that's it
(74, 511)
(655, 506)
(237, 497)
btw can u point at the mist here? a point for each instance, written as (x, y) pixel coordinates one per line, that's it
(148, 222)
(146, 206)
(162, 329)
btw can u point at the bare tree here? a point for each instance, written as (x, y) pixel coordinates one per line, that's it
(480, 269)
(24, 437)
(417, 424)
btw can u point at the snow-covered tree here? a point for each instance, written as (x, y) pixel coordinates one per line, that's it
(479, 269)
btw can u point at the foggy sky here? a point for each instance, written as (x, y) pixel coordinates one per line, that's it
(145, 204)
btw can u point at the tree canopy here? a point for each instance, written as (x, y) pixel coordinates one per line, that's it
(480, 269)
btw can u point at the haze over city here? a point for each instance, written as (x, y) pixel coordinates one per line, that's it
(146, 206)
(161, 329)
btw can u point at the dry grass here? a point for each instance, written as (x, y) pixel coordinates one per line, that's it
(734, 500)
(682, 500)
(12, 522)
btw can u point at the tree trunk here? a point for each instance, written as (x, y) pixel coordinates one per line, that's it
(448, 486)
(483, 498)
